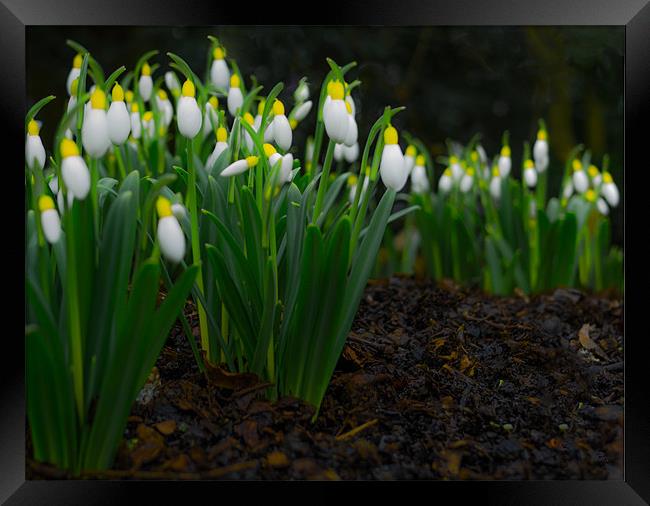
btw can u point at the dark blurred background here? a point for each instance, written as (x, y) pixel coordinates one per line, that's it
(454, 81)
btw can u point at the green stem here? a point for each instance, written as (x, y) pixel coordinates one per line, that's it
(120, 161)
(324, 179)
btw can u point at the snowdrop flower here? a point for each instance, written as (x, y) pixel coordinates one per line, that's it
(72, 102)
(335, 114)
(540, 151)
(166, 107)
(457, 171)
(281, 128)
(338, 152)
(248, 118)
(530, 174)
(50, 221)
(179, 211)
(94, 132)
(60, 203)
(34, 149)
(136, 125)
(219, 72)
(188, 113)
(272, 154)
(219, 147)
(148, 124)
(445, 181)
(74, 73)
(602, 206)
(495, 183)
(352, 183)
(419, 179)
(351, 153)
(74, 170)
(301, 111)
(353, 131)
(268, 132)
(409, 158)
(590, 195)
(211, 105)
(235, 97)
(285, 169)
(119, 122)
(170, 234)
(301, 94)
(567, 191)
(240, 166)
(172, 83)
(145, 84)
(391, 166)
(505, 162)
(467, 180)
(609, 190)
(594, 175)
(580, 180)
(482, 154)
(350, 101)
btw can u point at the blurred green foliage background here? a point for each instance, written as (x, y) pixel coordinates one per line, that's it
(454, 81)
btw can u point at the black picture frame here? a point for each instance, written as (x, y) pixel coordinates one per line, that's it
(16, 15)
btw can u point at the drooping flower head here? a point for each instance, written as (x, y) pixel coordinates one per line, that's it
(188, 114)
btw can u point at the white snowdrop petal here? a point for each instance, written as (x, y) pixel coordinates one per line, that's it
(495, 187)
(76, 176)
(505, 164)
(338, 152)
(466, 183)
(145, 86)
(171, 239)
(444, 184)
(136, 125)
(72, 75)
(94, 133)
(119, 123)
(34, 152)
(419, 180)
(238, 167)
(302, 111)
(610, 192)
(352, 133)
(540, 149)
(189, 117)
(409, 162)
(457, 171)
(336, 121)
(220, 73)
(530, 177)
(391, 167)
(235, 100)
(219, 148)
(178, 210)
(351, 153)
(580, 181)
(273, 159)
(286, 168)
(282, 132)
(602, 206)
(51, 225)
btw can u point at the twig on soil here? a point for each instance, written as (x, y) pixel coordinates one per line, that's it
(356, 430)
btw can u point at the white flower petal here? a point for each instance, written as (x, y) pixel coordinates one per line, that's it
(188, 117)
(51, 225)
(238, 167)
(391, 167)
(119, 123)
(171, 239)
(76, 176)
(282, 131)
(94, 133)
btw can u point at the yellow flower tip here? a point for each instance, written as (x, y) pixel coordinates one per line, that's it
(76, 62)
(463, 164)
(390, 135)
(147, 116)
(32, 127)
(419, 160)
(134, 107)
(541, 135)
(214, 102)
(348, 107)
(505, 151)
(74, 86)
(146, 69)
(329, 87)
(251, 161)
(410, 150)
(474, 156)
(293, 123)
(590, 195)
(222, 135)
(162, 94)
(278, 108)
(234, 81)
(98, 99)
(308, 165)
(447, 172)
(577, 165)
(188, 89)
(368, 169)
(128, 95)
(260, 107)
(529, 164)
(495, 171)
(607, 178)
(163, 207)
(269, 149)
(352, 179)
(248, 118)
(218, 53)
(470, 171)
(453, 160)
(118, 93)
(69, 148)
(592, 170)
(45, 203)
(335, 91)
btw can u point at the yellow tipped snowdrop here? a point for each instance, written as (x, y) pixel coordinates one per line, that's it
(219, 71)
(235, 96)
(495, 183)
(145, 84)
(94, 132)
(445, 182)
(281, 128)
(353, 131)
(301, 93)
(347, 153)
(248, 118)
(467, 181)
(219, 147)
(119, 122)
(579, 178)
(34, 149)
(391, 166)
(188, 114)
(457, 171)
(271, 153)
(50, 221)
(172, 83)
(212, 105)
(609, 190)
(409, 158)
(301, 111)
(530, 174)
(335, 114)
(170, 234)
(419, 179)
(505, 161)
(540, 151)
(595, 176)
(148, 124)
(74, 73)
(136, 124)
(240, 166)
(165, 106)
(74, 170)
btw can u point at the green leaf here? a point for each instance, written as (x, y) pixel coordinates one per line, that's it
(34, 110)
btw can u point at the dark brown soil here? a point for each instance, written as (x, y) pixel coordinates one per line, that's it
(436, 382)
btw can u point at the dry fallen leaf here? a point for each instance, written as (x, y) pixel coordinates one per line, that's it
(167, 427)
(588, 343)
